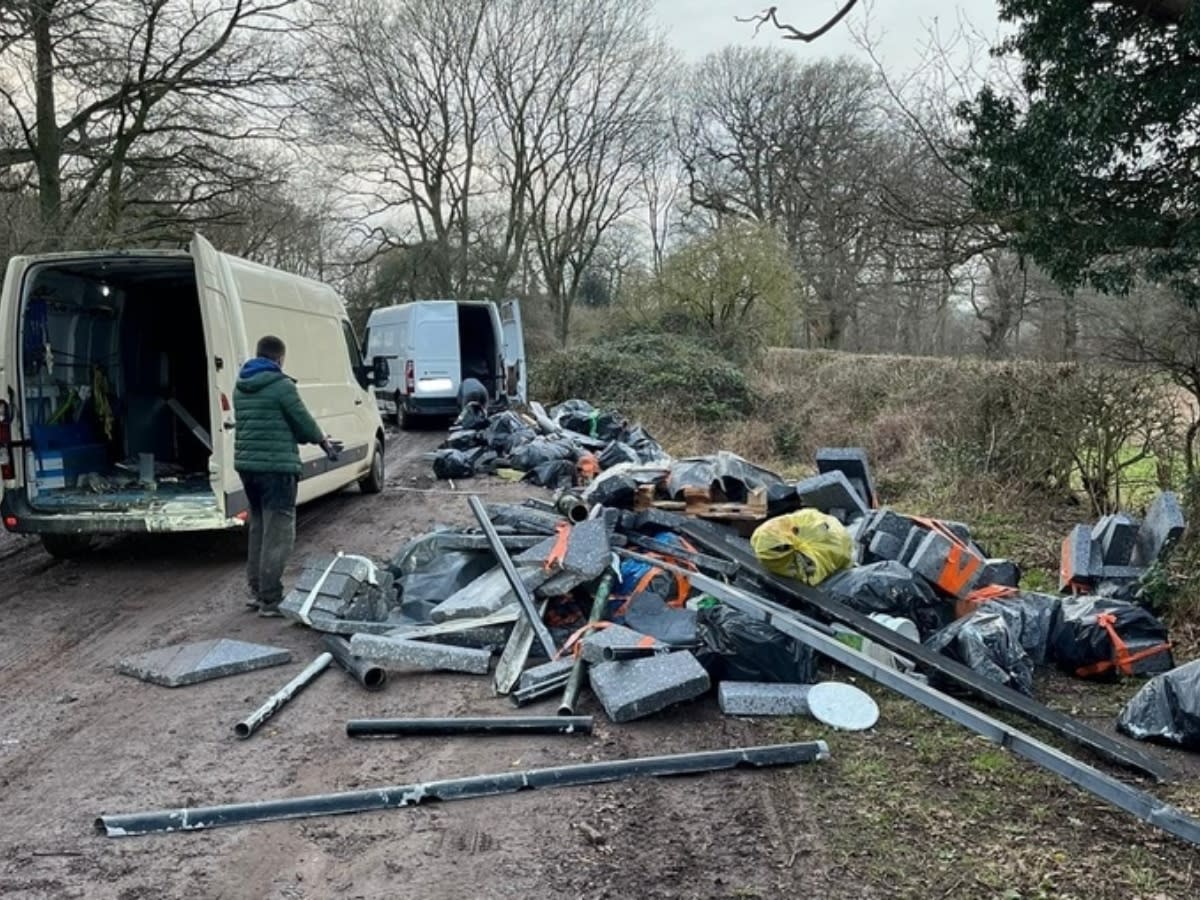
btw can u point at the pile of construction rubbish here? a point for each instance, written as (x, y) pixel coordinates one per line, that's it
(659, 580)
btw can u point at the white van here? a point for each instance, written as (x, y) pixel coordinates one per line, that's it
(433, 345)
(118, 369)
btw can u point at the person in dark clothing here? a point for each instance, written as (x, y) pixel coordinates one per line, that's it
(271, 421)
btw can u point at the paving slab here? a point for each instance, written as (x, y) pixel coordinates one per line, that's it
(1161, 530)
(641, 687)
(756, 698)
(592, 646)
(182, 664)
(388, 652)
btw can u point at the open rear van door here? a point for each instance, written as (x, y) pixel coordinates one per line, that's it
(11, 438)
(514, 350)
(225, 345)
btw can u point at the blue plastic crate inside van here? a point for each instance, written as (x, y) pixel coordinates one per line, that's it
(64, 452)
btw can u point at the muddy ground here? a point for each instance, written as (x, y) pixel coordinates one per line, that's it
(77, 739)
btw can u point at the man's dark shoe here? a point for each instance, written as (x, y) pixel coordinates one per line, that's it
(269, 610)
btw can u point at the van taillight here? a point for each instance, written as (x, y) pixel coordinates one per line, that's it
(7, 472)
(410, 377)
(224, 402)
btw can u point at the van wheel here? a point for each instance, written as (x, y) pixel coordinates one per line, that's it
(67, 546)
(372, 483)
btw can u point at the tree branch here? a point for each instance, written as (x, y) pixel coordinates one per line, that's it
(791, 33)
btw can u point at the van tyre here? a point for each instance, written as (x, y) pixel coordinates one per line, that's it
(67, 546)
(373, 482)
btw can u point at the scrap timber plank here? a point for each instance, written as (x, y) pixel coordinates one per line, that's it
(814, 599)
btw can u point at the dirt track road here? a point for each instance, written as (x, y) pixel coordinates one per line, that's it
(77, 739)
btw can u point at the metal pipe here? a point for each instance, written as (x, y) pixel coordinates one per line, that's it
(480, 725)
(612, 654)
(1004, 697)
(275, 702)
(572, 507)
(575, 680)
(522, 696)
(200, 818)
(514, 578)
(370, 676)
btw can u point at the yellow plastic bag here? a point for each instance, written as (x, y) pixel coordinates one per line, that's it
(806, 545)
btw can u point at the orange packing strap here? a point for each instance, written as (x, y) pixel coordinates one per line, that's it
(559, 551)
(575, 642)
(982, 595)
(1122, 659)
(683, 587)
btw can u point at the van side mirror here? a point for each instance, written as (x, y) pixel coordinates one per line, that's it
(381, 371)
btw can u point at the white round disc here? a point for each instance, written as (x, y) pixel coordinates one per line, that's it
(842, 706)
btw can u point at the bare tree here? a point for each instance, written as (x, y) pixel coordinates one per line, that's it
(113, 100)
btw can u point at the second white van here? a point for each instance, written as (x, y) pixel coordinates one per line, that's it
(432, 346)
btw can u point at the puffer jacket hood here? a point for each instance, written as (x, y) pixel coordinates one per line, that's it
(257, 373)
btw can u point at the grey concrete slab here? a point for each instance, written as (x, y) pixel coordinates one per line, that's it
(1117, 536)
(182, 664)
(833, 494)
(852, 462)
(1080, 558)
(641, 687)
(485, 595)
(390, 652)
(587, 555)
(1161, 530)
(754, 698)
(592, 646)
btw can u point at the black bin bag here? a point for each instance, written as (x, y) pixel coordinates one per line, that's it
(984, 642)
(890, 588)
(735, 647)
(1095, 637)
(1166, 709)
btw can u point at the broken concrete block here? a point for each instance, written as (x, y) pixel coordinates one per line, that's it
(752, 698)
(182, 664)
(389, 652)
(649, 614)
(911, 543)
(549, 671)
(1117, 535)
(641, 687)
(1002, 572)
(885, 546)
(948, 566)
(1161, 530)
(595, 643)
(1080, 562)
(852, 462)
(1119, 573)
(832, 493)
(587, 553)
(485, 595)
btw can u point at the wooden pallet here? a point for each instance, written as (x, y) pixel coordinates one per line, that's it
(700, 504)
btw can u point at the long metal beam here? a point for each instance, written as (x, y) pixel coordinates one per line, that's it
(490, 725)
(1004, 697)
(514, 578)
(200, 818)
(1141, 804)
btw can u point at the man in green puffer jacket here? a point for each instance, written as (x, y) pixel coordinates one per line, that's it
(271, 420)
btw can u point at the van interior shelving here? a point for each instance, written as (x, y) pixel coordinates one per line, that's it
(115, 396)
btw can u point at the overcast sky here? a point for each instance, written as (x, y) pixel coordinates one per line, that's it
(697, 27)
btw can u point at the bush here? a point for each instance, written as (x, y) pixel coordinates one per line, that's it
(675, 374)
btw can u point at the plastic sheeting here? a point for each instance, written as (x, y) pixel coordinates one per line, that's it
(538, 451)
(555, 474)
(1030, 617)
(507, 431)
(1166, 709)
(735, 647)
(1080, 644)
(724, 475)
(892, 589)
(985, 642)
(806, 545)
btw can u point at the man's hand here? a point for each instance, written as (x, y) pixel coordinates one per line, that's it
(332, 448)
